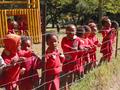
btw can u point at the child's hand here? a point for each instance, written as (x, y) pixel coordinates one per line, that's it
(22, 71)
(74, 48)
(14, 61)
(21, 59)
(99, 45)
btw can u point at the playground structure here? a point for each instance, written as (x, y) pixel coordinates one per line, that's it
(31, 12)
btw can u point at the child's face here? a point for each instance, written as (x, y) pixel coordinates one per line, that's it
(93, 28)
(108, 23)
(27, 45)
(53, 42)
(71, 31)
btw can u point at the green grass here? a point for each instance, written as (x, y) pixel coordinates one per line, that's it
(100, 78)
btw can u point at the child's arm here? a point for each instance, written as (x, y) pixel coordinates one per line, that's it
(62, 57)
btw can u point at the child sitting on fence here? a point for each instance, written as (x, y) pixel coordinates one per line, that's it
(29, 78)
(53, 61)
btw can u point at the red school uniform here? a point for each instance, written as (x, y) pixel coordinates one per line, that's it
(80, 61)
(95, 43)
(10, 27)
(86, 56)
(30, 78)
(105, 31)
(53, 69)
(22, 26)
(106, 47)
(11, 75)
(9, 54)
(71, 55)
(113, 35)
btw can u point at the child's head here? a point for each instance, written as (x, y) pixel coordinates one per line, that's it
(71, 30)
(114, 25)
(9, 20)
(52, 40)
(80, 31)
(26, 43)
(12, 43)
(87, 30)
(93, 27)
(106, 22)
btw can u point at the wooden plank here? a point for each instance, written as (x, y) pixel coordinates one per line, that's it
(32, 22)
(1, 36)
(14, 2)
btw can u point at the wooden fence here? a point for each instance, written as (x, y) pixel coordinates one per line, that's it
(33, 21)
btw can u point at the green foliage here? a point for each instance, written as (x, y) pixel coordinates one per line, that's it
(112, 6)
(78, 10)
(87, 6)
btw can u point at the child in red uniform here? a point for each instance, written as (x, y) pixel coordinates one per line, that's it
(29, 78)
(80, 33)
(22, 26)
(114, 26)
(106, 26)
(52, 63)
(10, 26)
(70, 45)
(106, 48)
(10, 56)
(88, 44)
(95, 41)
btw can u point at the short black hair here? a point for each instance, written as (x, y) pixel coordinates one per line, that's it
(87, 28)
(114, 24)
(49, 35)
(104, 20)
(80, 31)
(24, 39)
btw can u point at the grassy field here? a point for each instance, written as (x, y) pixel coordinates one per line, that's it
(105, 77)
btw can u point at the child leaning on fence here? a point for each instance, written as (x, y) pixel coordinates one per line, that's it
(95, 41)
(70, 44)
(88, 45)
(29, 77)
(80, 67)
(106, 47)
(12, 60)
(53, 61)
